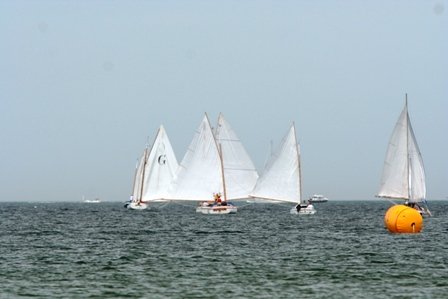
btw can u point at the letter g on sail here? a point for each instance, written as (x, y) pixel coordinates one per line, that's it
(162, 159)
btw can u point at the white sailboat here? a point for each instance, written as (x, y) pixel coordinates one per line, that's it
(135, 200)
(281, 179)
(214, 165)
(403, 174)
(154, 173)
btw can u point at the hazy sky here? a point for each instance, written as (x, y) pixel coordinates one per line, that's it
(83, 84)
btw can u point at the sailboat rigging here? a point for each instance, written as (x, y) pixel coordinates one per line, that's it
(282, 177)
(154, 173)
(403, 174)
(215, 164)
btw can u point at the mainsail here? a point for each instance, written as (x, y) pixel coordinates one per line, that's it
(281, 179)
(403, 173)
(199, 174)
(216, 161)
(155, 170)
(138, 178)
(239, 170)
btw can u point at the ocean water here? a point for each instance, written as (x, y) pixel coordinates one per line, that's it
(80, 250)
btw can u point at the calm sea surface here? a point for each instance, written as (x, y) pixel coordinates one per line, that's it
(80, 250)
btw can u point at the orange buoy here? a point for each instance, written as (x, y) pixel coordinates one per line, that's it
(403, 219)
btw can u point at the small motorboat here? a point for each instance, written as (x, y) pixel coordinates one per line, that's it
(317, 198)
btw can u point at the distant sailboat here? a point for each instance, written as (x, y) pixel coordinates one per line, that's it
(403, 173)
(281, 179)
(95, 200)
(154, 173)
(135, 201)
(216, 164)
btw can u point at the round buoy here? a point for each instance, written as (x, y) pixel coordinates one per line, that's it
(403, 219)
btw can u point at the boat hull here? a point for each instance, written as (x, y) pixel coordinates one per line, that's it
(136, 206)
(217, 209)
(308, 210)
(318, 200)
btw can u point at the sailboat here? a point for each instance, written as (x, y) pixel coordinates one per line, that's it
(281, 179)
(154, 173)
(216, 164)
(403, 173)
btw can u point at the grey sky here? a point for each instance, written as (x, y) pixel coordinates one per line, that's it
(83, 84)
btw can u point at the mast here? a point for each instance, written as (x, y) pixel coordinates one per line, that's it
(143, 174)
(135, 178)
(299, 163)
(147, 153)
(218, 147)
(222, 173)
(408, 156)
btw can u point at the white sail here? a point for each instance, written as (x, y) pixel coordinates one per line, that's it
(239, 170)
(155, 170)
(138, 178)
(199, 174)
(281, 179)
(403, 173)
(416, 170)
(161, 167)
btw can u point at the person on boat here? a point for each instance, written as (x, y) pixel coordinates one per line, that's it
(298, 207)
(412, 205)
(419, 208)
(218, 198)
(416, 206)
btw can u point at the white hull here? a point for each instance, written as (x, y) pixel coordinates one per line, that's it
(217, 210)
(91, 201)
(136, 206)
(317, 198)
(308, 210)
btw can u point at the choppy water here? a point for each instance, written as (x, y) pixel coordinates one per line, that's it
(74, 250)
